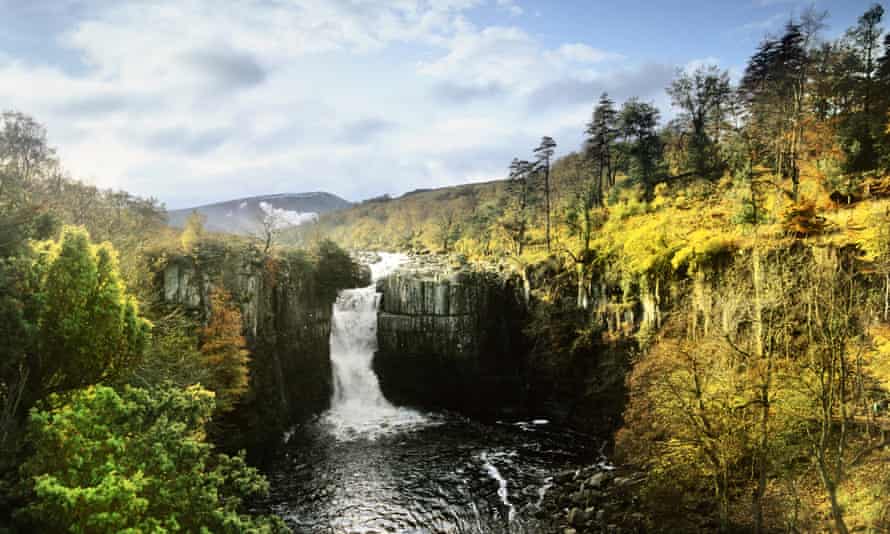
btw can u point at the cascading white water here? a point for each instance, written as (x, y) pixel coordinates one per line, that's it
(353, 343)
(358, 407)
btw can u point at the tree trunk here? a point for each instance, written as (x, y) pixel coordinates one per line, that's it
(547, 200)
(720, 488)
(599, 183)
(11, 407)
(762, 452)
(836, 513)
(886, 296)
(583, 297)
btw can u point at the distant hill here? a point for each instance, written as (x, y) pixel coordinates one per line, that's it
(414, 220)
(244, 215)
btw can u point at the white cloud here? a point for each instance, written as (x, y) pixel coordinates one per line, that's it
(582, 53)
(503, 56)
(194, 101)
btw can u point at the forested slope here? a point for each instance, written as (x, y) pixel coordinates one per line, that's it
(114, 404)
(744, 248)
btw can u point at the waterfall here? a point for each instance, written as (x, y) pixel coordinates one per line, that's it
(358, 407)
(353, 343)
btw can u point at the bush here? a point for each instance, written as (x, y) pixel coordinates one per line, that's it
(135, 461)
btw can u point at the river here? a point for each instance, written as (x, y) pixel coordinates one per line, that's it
(366, 466)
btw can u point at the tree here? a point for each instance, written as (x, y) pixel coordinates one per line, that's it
(136, 461)
(775, 86)
(515, 218)
(833, 299)
(601, 133)
(88, 328)
(689, 390)
(223, 349)
(193, 232)
(866, 40)
(703, 96)
(446, 228)
(638, 122)
(861, 126)
(272, 223)
(581, 221)
(173, 356)
(742, 150)
(544, 152)
(335, 270)
(19, 308)
(24, 155)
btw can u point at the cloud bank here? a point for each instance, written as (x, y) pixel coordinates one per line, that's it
(193, 101)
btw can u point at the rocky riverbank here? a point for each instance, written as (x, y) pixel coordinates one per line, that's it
(595, 499)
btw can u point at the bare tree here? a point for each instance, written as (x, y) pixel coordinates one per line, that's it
(271, 224)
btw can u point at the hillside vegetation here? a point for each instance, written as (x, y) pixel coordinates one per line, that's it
(722, 279)
(114, 404)
(744, 247)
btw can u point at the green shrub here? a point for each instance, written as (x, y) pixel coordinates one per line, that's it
(135, 461)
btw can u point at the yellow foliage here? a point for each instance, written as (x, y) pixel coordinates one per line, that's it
(702, 248)
(193, 232)
(880, 360)
(865, 224)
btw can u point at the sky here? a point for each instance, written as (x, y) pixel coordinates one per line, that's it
(197, 101)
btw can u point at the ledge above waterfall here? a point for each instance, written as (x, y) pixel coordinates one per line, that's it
(417, 293)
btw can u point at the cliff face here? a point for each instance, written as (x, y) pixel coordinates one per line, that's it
(452, 340)
(286, 312)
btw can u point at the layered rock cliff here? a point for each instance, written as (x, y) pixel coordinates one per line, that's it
(452, 339)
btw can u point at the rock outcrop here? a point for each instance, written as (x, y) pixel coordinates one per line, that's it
(452, 339)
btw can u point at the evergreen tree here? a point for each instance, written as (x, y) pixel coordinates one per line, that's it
(89, 329)
(638, 122)
(516, 214)
(775, 87)
(601, 133)
(862, 126)
(544, 152)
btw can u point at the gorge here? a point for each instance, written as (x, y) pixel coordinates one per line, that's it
(366, 465)
(542, 270)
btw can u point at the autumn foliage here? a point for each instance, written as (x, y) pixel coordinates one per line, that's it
(224, 351)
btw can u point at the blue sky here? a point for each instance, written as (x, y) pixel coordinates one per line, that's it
(194, 101)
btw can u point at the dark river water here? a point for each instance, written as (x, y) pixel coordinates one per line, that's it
(366, 466)
(447, 474)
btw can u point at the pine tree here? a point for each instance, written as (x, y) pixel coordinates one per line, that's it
(638, 122)
(515, 218)
(544, 153)
(775, 86)
(601, 133)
